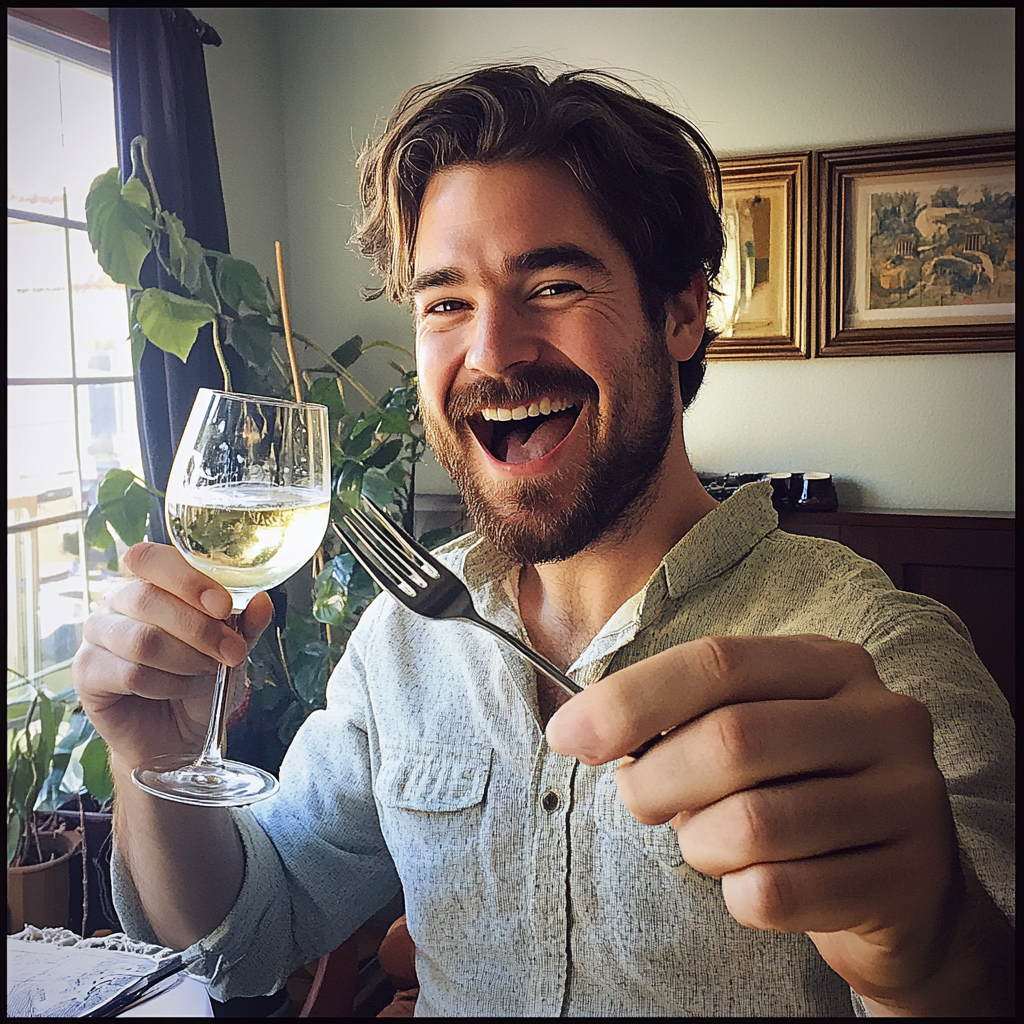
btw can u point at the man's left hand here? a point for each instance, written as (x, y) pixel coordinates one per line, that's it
(794, 775)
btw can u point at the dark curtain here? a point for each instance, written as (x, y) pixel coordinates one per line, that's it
(160, 91)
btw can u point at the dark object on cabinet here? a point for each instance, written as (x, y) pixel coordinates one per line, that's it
(966, 560)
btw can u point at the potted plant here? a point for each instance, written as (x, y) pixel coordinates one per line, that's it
(376, 442)
(53, 757)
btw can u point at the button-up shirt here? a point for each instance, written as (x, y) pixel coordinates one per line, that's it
(530, 889)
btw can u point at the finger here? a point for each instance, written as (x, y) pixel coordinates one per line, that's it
(847, 891)
(166, 567)
(256, 618)
(810, 818)
(149, 646)
(168, 617)
(618, 713)
(102, 678)
(742, 746)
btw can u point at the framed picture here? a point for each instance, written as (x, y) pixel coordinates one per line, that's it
(917, 244)
(763, 309)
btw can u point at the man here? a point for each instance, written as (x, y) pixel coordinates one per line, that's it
(789, 848)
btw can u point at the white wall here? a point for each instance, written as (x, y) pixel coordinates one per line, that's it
(306, 86)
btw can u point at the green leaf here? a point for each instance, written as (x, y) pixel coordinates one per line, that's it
(186, 254)
(47, 735)
(96, 770)
(348, 353)
(290, 722)
(398, 474)
(134, 192)
(394, 421)
(96, 533)
(309, 672)
(118, 229)
(377, 488)
(204, 290)
(238, 282)
(324, 391)
(114, 485)
(252, 336)
(129, 515)
(385, 454)
(171, 322)
(14, 822)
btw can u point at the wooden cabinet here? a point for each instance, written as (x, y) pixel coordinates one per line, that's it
(966, 560)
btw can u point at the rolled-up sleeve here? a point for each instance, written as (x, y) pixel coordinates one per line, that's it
(316, 865)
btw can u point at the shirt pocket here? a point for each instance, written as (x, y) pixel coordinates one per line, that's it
(615, 821)
(432, 802)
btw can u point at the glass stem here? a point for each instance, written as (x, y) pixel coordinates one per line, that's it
(216, 735)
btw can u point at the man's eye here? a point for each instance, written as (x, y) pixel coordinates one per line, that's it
(446, 306)
(559, 288)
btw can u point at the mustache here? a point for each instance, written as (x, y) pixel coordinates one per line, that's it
(518, 388)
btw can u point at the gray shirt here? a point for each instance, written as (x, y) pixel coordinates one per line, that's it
(530, 889)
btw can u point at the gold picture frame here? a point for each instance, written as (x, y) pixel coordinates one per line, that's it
(763, 310)
(917, 247)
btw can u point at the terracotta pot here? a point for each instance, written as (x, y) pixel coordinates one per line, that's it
(38, 894)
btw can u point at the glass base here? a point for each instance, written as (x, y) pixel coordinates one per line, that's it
(228, 784)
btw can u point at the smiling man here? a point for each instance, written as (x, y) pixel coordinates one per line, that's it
(825, 826)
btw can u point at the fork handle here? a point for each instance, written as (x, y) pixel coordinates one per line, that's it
(538, 661)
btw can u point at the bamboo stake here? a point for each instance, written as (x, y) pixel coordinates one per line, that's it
(296, 382)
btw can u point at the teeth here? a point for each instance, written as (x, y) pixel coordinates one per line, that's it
(544, 407)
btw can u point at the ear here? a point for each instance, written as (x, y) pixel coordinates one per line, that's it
(686, 314)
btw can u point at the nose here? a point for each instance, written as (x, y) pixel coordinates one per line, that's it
(498, 340)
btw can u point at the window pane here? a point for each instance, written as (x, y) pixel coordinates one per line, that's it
(48, 581)
(34, 153)
(38, 318)
(42, 470)
(90, 142)
(109, 433)
(101, 315)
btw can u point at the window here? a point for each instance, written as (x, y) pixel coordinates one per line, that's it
(70, 393)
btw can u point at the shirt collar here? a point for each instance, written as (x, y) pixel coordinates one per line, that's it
(717, 542)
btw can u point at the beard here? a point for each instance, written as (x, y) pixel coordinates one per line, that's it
(531, 521)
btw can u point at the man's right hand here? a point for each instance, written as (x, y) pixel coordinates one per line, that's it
(146, 669)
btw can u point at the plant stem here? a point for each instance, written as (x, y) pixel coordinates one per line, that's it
(338, 368)
(220, 358)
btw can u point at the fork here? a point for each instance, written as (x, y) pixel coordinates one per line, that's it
(399, 564)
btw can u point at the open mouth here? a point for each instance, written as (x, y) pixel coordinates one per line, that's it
(526, 432)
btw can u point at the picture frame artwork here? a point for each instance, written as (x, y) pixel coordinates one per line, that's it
(762, 311)
(918, 247)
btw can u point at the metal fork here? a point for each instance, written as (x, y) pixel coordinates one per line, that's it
(399, 564)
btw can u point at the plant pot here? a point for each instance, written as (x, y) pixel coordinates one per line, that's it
(97, 850)
(39, 893)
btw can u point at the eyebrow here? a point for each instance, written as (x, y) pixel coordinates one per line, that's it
(566, 255)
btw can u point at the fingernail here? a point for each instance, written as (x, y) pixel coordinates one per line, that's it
(213, 602)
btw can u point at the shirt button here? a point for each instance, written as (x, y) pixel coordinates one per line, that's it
(551, 801)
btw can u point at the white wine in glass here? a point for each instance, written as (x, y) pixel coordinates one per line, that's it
(247, 503)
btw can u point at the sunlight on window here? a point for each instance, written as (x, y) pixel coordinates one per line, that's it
(70, 396)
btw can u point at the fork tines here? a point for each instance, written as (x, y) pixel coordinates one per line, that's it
(381, 547)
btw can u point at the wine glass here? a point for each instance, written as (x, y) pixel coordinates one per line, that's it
(247, 503)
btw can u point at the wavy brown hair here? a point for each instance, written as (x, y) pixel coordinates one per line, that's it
(650, 175)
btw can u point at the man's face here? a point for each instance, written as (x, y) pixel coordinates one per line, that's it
(544, 391)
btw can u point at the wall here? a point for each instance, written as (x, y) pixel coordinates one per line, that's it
(907, 431)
